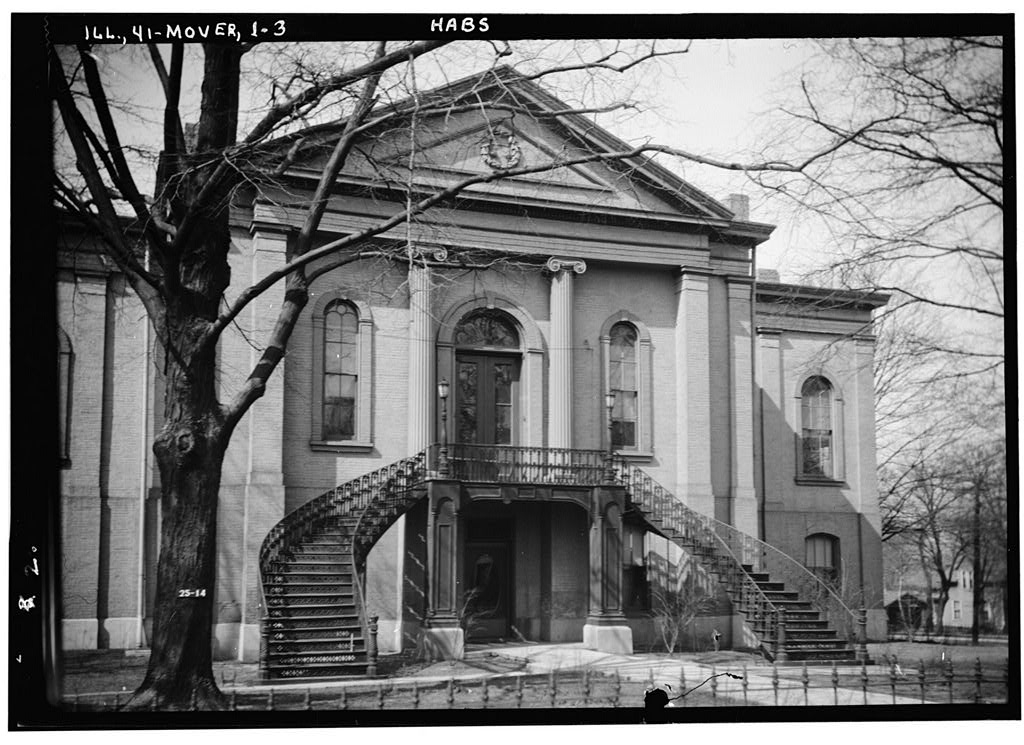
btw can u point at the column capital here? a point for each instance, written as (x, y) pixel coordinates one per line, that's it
(555, 265)
(268, 227)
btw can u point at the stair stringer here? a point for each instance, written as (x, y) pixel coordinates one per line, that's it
(342, 524)
(733, 558)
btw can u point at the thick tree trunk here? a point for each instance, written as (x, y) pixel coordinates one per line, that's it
(189, 452)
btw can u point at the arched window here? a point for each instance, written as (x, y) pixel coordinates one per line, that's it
(622, 381)
(822, 556)
(816, 422)
(340, 371)
(64, 359)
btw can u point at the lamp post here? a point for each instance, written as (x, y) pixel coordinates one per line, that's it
(442, 460)
(609, 470)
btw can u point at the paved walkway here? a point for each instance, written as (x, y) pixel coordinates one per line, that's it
(681, 673)
(534, 659)
(662, 670)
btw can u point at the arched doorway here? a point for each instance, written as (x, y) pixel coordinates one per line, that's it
(488, 362)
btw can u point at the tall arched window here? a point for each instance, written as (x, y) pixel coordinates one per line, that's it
(64, 359)
(822, 556)
(622, 381)
(817, 450)
(340, 372)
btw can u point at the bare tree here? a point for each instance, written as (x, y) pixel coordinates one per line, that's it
(173, 249)
(919, 180)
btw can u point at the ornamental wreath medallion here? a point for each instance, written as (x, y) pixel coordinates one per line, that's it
(501, 157)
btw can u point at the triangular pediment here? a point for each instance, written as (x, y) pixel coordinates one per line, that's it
(485, 135)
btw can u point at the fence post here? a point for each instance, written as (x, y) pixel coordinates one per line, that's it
(746, 684)
(552, 690)
(714, 686)
(586, 687)
(892, 678)
(371, 646)
(864, 679)
(233, 701)
(415, 695)
(862, 634)
(618, 686)
(920, 678)
(775, 682)
(949, 679)
(380, 696)
(343, 699)
(519, 691)
(451, 692)
(483, 694)
(806, 681)
(977, 680)
(270, 700)
(780, 636)
(682, 683)
(835, 684)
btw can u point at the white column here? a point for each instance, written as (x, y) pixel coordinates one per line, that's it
(744, 501)
(560, 366)
(421, 359)
(693, 391)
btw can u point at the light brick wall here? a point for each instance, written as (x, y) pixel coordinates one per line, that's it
(101, 489)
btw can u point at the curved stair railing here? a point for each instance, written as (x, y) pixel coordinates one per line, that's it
(354, 506)
(736, 557)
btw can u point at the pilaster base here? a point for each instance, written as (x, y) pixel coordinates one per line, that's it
(613, 638)
(79, 633)
(443, 643)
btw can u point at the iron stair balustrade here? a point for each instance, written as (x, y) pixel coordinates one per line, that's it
(695, 534)
(335, 514)
(739, 558)
(394, 500)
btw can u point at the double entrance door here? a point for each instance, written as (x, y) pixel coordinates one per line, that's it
(485, 398)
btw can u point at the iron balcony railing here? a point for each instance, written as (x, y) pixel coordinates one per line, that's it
(512, 464)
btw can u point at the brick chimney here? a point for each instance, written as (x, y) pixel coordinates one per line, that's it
(740, 205)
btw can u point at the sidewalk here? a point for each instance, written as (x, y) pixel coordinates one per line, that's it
(761, 684)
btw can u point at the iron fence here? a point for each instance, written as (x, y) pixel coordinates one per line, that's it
(763, 685)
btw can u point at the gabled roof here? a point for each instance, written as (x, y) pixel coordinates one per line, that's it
(504, 85)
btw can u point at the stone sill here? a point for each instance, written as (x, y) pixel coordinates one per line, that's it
(340, 446)
(819, 481)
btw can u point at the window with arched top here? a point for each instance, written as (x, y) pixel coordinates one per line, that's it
(622, 382)
(342, 374)
(626, 353)
(822, 556)
(64, 371)
(341, 371)
(817, 441)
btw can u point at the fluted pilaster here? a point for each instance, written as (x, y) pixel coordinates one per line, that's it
(560, 371)
(421, 359)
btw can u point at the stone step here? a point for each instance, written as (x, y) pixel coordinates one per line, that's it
(820, 655)
(328, 629)
(317, 673)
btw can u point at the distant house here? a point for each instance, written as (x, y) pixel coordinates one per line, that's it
(454, 413)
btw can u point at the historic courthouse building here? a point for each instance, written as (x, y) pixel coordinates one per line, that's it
(441, 423)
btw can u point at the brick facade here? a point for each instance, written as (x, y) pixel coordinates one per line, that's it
(724, 362)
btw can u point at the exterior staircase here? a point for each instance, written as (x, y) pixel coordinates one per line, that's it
(313, 563)
(797, 617)
(313, 567)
